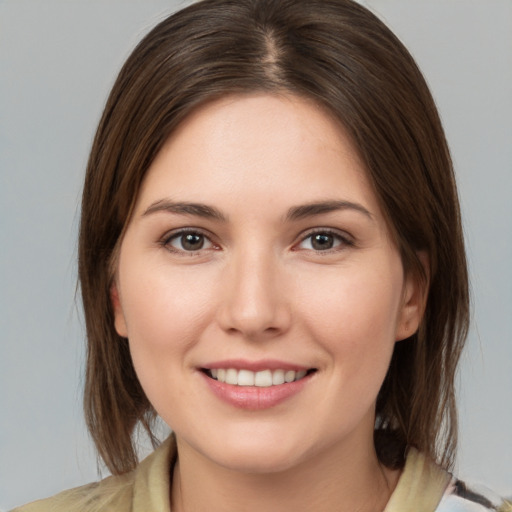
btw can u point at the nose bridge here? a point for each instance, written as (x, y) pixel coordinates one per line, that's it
(254, 303)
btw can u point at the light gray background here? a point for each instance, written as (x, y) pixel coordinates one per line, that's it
(58, 59)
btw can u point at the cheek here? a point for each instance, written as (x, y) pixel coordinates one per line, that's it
(165, 312)
(354, 315)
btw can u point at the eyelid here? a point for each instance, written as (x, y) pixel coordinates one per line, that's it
(346, 239)
(175, 233)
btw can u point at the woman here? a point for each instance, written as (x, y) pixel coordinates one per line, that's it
(271, 260)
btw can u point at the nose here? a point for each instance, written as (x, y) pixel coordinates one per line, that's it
(255, 303)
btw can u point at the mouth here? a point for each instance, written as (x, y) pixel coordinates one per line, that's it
(261, 379)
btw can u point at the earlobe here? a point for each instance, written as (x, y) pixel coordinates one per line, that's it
(414, 300)
(119, 320)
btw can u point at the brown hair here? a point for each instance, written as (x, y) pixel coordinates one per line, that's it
(341, 56)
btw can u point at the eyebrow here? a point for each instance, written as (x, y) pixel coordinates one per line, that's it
(322, 207)
(294, 213)
(180, 208)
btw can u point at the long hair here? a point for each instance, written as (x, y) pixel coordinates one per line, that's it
(340, 55)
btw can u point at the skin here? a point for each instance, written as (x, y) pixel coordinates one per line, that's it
(261, 287)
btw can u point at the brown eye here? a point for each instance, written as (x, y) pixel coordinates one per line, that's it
(324, 241)
(189, 242)
(192, 241)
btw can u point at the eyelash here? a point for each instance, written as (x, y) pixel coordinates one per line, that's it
(343, 241)
(176, 235)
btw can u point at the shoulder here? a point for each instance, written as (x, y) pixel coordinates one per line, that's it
(420, 486)
(426, 487)
(145, 488)
(462, 497)
(112, 492)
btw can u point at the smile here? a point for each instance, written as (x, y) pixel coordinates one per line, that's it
(256, 385)
(261, 379)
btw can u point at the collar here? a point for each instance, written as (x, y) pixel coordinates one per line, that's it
(420, 486)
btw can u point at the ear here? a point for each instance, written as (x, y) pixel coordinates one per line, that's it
(119, 320)
(414, 300)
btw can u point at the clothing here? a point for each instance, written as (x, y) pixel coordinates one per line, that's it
(422, 487)
(425, 487)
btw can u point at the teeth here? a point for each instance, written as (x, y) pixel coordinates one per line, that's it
(231, 376)
(278, 377)
(289, 376)
(262, 379)
(245, 378)
(300, 374)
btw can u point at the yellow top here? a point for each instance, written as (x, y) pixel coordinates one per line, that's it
(147, 489)
(420, 486)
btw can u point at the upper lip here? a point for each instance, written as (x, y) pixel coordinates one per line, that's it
(255, 366)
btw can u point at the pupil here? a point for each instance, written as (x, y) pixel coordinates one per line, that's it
(192, 242)
(322, 242)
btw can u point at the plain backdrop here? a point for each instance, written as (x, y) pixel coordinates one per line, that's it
(58, 59)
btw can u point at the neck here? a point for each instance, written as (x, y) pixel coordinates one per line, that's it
(338, 480)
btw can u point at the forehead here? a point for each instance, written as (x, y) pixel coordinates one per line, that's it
(275, 145)
(265, 119)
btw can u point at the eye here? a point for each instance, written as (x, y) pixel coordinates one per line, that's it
(188, 241)
(324, 240)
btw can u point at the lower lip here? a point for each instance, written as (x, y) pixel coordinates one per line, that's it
(255, 398)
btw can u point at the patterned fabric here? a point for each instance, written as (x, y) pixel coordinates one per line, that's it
(460, 497)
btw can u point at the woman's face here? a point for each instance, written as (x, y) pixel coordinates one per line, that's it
(257, 254)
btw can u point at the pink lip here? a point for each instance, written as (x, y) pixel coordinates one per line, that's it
(254, 398)
(254, 366)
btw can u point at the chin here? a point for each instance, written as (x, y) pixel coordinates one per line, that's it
(252, 453)
(258, 461)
